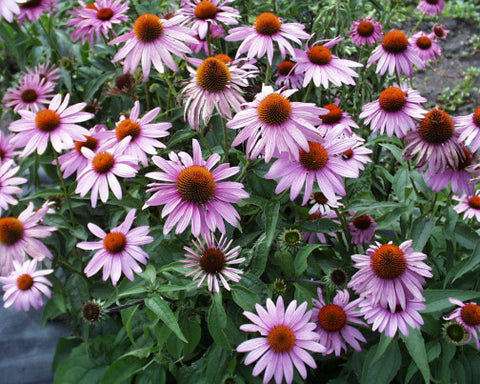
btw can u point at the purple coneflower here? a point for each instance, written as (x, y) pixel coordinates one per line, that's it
(287, 76)
(55, 124)
(216, 31)
(319, 64)
(366, 31)
(469, 206)
(272, 124)
(337, 116)
(24, 286)
(9, 184)
(212, 259)
(153, 40)
(19, 236)
(426, 47)
(362, 229)
(9, 9)
(395, 111)
(193, 193)
(431, 7)
(390, 274)
(287, 335)
(469, 129)
(7, 147)
(395, 54)
(322, 204)
(46, 71)
(439, 31)
(267, 28)
(33, 9)
(32, 93)
(119, 250)
(468, 315)
(357, 155)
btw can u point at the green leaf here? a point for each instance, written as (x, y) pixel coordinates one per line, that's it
(244, 297)
(270, 212)
(301, 258)
(437, 299)
(470, 264)
(466, 236)
(319, 225)
(416, 348)
(122, 369)
(149, 274)
(64, 348)
(381, 347)
(421, 229)
(161, 309)
(385, 368)
(181, 135)
(217, 322)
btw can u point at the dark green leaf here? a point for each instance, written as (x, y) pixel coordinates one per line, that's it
(421, 230)
(301, 258)
(271, 217)
(217, 321)
(416, 348)
(122, 369)
(437, 299)
(385, 368)
(470, 264)
(161, 309)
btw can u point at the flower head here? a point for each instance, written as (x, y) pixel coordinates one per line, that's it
(362, 229)
(426, 46)
(323, 205)
(366, 31)
(33, 9)
(469, 128)
(439, 31)
(32, 93)
(287, 77)
(469, 205)
(456, 333)
(431, 7)
(468, 314)
(7, 147)
(9, 184)
(46, 71)
(9, 9)
(337, 116)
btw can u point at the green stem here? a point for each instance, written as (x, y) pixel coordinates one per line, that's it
(274, 6)
(209, 43)
(64, 188)
(418, 24)
(226, 143)
(346, 230)
(69, 266)
(434, 201)
(304, 281)
(147, 96)
(204, 140)
(244, 171)
(170, 85)
(49, 37)
(267, 75)
(310, 86)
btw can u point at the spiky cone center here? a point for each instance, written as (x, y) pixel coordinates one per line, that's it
(292, 237)
(148, 28)
(127, 127)
(212, 260)
(365, 29)
(115, 242)
(91, 143)
(315, 159)
(205, 10)
(47, 120)
(392, 99)
(439, 31)
(267, 24)
(24, 282)
(471, 314)
(395, 41)
(334, 114)
(455, 332)
(466, 160)
(433, 2)
(195, 184)
(347, 155)
(91, 312)
(338, 277)
(320, 198)
(388, 262)
(279, 286)
(103, 162)
(31, 4)
(281, 339)
(213, 75)
(476, 117)
(286, 68)
(424, 42)
(474, 202)
(332, 318)
(362, 222)
(223, 57)
(11, 230)
(320, 55)
(274, 109)
(105, 14)
(124, 81)
(436, 127)
(29, 96)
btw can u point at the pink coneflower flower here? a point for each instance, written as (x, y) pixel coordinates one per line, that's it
(469, 206)
(25, 285)
(153, 40)
(319, 237)
(395, 111)
(435, 143)
(46, 71)
(469, 129)
(7, 147)
(395, 54)
(321, 164)
(212, 260)
(214, 84)
(431, 7)
(18, 236)
(390, 274)
(389, 322)
(92, 20)
(366, 31)
(9, 9)
(199, 15)
(439, 31)
(319, 64)
(216, 31)
(287, 76)
(357, 155)
(272, 124)
(322, 204)
(193, 193)
(32, 93)
(119, 250)
(337, 116)
(332, 322)
(33, 9)
(102, 171)
(267, 28)
(362, 229)
(287, 335)
(468, 315)
(9, 184)
(426, 47)
(142, 132)
(55, 124)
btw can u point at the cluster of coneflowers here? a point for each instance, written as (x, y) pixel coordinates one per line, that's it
(310, 150)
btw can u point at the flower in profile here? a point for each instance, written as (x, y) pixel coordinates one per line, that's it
(153, 40)
(9, 184)
(267, 29)
(337, 116)
(7, 147)
(456, 333)
(469, 128)
(439, 31)
(395, 111)
(200, 15)
(287, 76)
(9, 9)
(193, 194)
(55, 124)
(272, 124)
(362, 229)
(91, 20)
(32, 93)
(435, 143)
(426, 47)
(93, 311)
(143, 134)
(102, 171)
(336, 279)
(357, 155)
(431, 7)
(213, 260)
(289, 240)
(395, 54)
(25, 285)
(468, 314)
(286, 336)
(46, 71)
(391, 321)
(124, 84)
(322, 204)
(332, 322)
(469, 205)
(119, 250)
(33, 9)
(366, 31)
(215, 32)
(390, 274)
(19, 236)
(319, 64)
